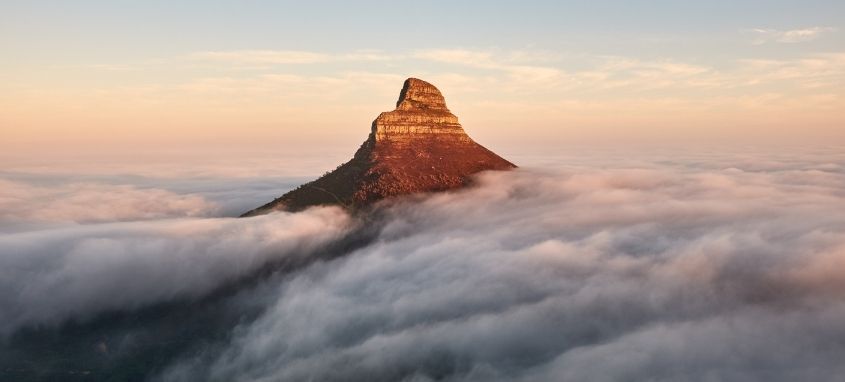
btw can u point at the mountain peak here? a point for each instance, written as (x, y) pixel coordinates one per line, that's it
(417, 94)
(417, 147)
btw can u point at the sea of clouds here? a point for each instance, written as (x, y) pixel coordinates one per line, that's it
(709, 266)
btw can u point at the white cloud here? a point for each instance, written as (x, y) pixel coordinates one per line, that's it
(82, 202)
(764, 35)
(287, 56)
(518, 72)
(661, 268)
(50, 276)
(818, 71)
(521, 70)
(660, 273)
(263, 56)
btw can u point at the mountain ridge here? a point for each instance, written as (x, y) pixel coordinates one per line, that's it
(418, 147)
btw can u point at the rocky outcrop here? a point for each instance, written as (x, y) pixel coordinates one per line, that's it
(418, 147)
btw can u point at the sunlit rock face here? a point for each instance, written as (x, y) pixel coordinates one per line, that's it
(420, 111)
(418, 147)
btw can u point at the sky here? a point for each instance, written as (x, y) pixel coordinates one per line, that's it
(117, 78)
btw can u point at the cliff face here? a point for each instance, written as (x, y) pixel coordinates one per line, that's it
(418, 147)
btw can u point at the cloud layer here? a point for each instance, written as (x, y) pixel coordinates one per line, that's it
(92, 202)
(51, 276)
(695, 267)
(644, 274)
(764, 35)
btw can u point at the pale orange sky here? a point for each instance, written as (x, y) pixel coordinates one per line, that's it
(78, 86)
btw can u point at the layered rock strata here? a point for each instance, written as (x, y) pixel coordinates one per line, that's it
(418, 147)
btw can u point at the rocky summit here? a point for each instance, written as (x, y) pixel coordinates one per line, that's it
(418, 147)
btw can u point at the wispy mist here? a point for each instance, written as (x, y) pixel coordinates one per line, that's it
(690, 268)
(607, 275)
(53, 275)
